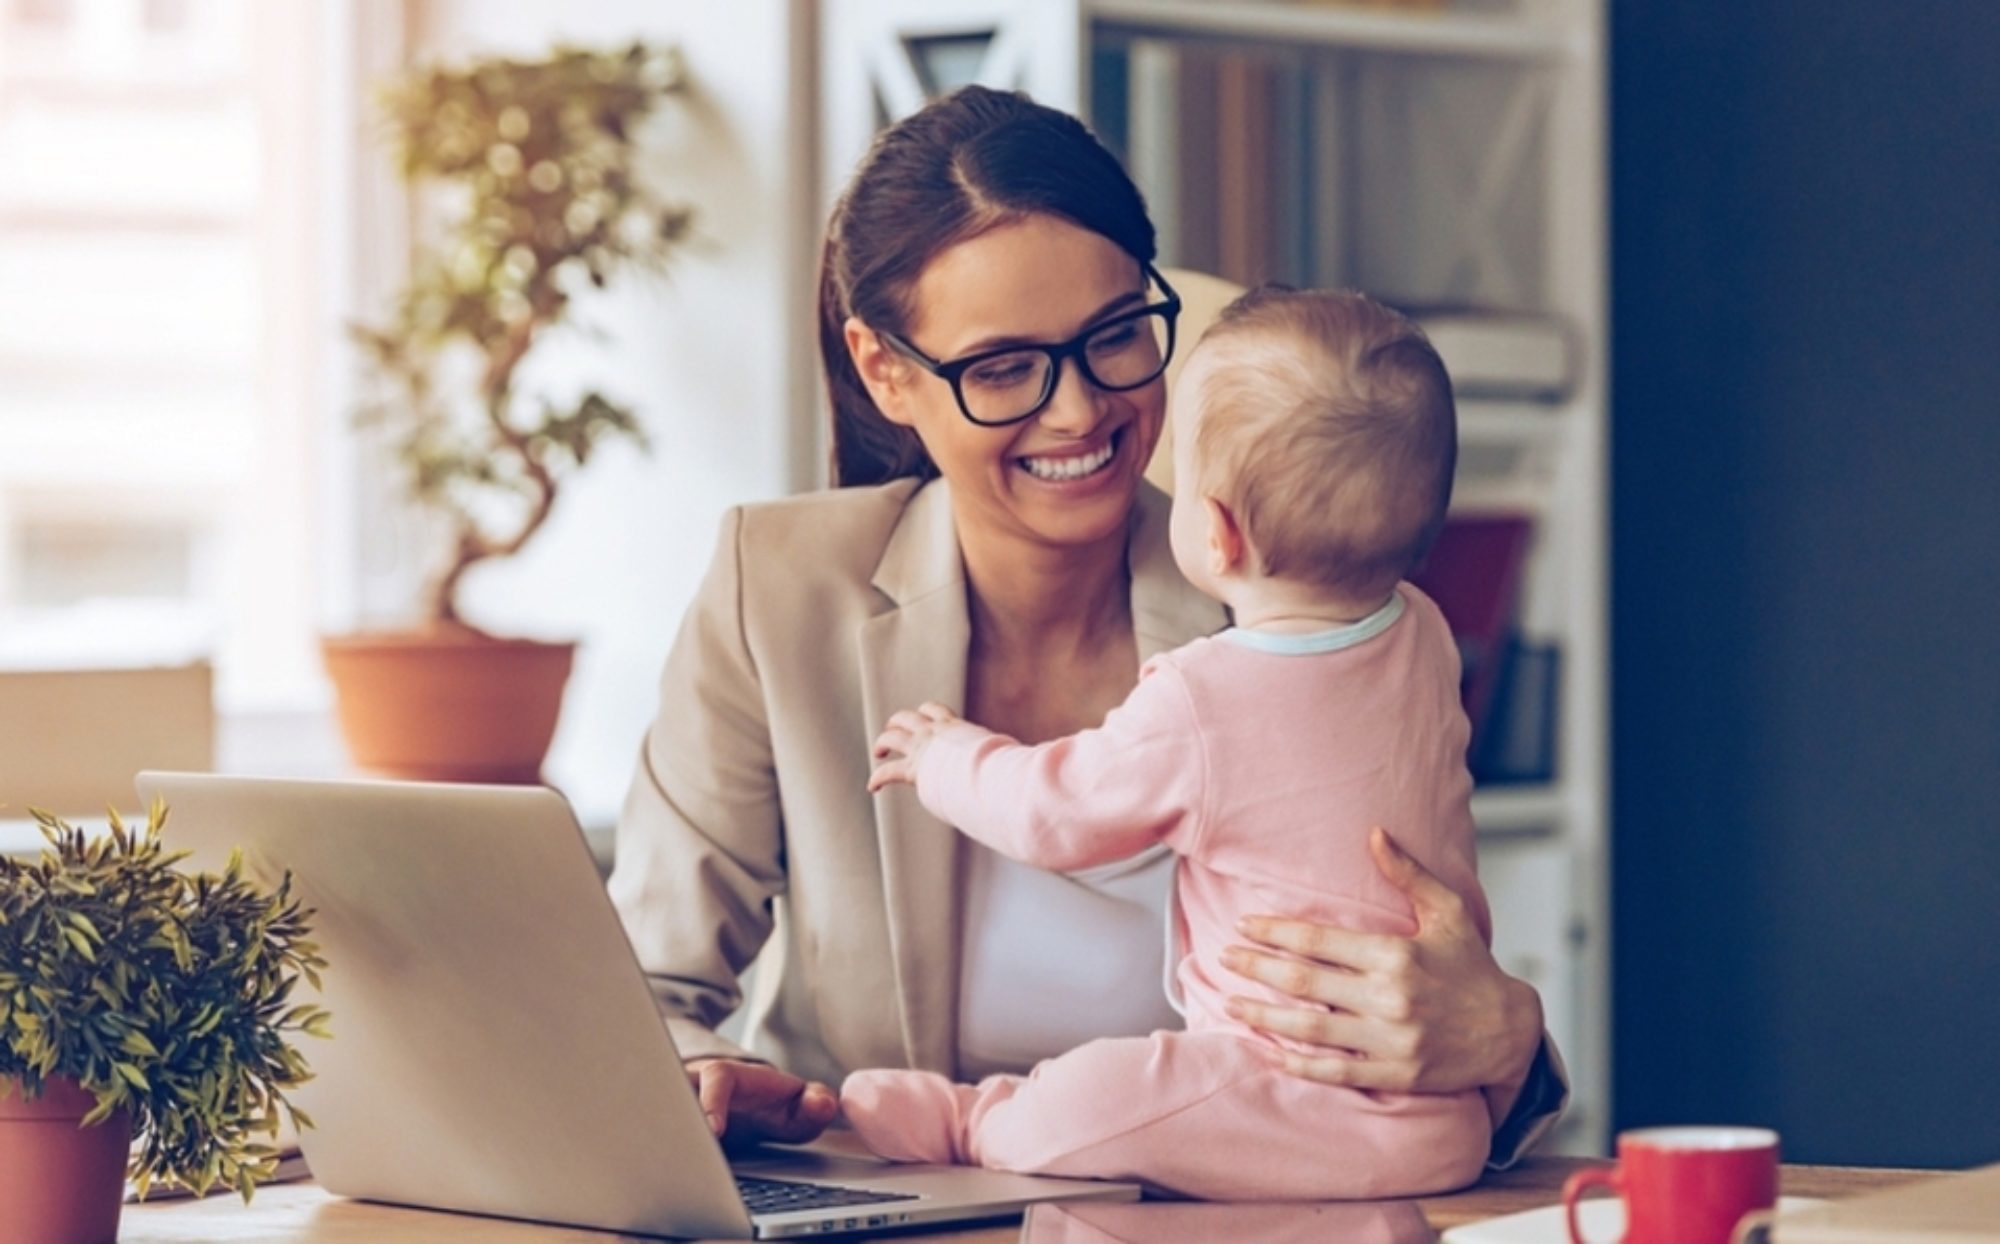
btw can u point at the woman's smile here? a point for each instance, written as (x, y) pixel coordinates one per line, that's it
(1084, 463)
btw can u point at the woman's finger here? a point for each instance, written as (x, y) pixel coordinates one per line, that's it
(934, 711)
(1360, 995)
(717, 1084)
(1336, 948)
(1380, 1075)
(804, 1116)
(1432, 898)
(1337, 1030)
(1311, 983)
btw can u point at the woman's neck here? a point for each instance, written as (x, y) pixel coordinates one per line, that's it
(1022, 595)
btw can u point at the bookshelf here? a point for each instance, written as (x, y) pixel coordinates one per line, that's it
(1323, 24)
(1446, 154)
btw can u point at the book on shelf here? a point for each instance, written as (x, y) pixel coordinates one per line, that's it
(1518, 744)
(1230, 184)
(1246, 122)
(1474, 574)
(1501, 354)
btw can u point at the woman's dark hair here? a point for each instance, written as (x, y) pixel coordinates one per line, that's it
(962, 165)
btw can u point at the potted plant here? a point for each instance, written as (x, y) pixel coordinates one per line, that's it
(541, 162)
(139, 1001)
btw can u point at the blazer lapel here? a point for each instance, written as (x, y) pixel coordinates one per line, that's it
(916, 651)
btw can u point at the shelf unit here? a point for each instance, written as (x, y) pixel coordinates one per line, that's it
(1328, 25)
(1453, 153)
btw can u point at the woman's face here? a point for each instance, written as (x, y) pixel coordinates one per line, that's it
(1068, 475)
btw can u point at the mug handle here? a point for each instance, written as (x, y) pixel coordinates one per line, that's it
(1755, 1228)
(1582, 1181)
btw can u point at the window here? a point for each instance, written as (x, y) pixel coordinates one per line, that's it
(159, 330)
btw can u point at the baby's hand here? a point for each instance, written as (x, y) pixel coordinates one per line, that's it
(903, 741)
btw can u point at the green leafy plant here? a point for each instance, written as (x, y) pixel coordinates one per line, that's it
(162, 992)
(540, 160)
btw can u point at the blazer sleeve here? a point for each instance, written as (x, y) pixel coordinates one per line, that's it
(1535, 1111)
(700, 852)
(1096, 796)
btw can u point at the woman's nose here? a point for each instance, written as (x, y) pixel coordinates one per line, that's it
(1076, 407)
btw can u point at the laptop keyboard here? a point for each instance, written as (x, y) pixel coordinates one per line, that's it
(783, 1196)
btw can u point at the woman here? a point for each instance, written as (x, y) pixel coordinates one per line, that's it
(992, 546)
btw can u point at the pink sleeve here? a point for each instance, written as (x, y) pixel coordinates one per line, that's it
(1087, 799)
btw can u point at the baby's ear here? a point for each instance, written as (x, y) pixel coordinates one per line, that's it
(1226, 546)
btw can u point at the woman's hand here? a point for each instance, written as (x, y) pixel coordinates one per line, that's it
(902, 743)
(1426, 1014)
(749, 1102)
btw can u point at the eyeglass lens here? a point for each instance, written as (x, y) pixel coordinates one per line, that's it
(1124, 354)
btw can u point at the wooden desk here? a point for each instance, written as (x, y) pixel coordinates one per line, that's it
(304, 1214)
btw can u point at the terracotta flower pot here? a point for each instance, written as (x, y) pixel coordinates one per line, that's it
(59, 1183)
(448, 705)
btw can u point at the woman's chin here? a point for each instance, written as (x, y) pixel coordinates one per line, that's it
(1076, 512)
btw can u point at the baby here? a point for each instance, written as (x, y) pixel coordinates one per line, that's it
(1314, 441)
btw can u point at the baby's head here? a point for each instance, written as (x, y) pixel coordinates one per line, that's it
(1314, 436)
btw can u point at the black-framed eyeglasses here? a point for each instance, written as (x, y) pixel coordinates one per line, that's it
(997, 387)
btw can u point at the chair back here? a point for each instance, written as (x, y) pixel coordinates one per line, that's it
(71, 741)
(1202, 299)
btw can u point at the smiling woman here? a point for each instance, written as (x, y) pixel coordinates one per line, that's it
(994, 336)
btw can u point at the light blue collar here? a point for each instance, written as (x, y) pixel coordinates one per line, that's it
(1312, 642)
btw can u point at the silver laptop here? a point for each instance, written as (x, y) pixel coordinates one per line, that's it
(495, 1048)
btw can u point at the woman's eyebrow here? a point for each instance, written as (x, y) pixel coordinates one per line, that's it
(1117, 304)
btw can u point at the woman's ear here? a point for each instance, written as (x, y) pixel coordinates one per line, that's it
(881, 370)
(1227, 548)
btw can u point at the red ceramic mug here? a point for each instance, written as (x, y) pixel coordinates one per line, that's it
(1684, 1185)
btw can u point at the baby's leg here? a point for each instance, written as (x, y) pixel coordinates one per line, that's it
(1201, 1114)
(1096, 1111)
(1211, 1115)
(1104, 1086)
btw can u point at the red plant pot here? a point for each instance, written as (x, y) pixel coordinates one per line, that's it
(448, 705)
(60, 1183)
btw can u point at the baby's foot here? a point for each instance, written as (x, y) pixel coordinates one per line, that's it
(908, 1116)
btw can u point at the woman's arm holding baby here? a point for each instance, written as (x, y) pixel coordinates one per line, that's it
(1096, 796)
(1432, 1013)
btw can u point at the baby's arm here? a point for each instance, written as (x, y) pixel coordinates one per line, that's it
(1091, 798)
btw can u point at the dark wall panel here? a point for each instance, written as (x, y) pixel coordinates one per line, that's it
(1806, 549)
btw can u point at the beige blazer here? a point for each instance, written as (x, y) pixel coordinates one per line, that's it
(749, 818)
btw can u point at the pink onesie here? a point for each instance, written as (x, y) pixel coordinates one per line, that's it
(1263, 761)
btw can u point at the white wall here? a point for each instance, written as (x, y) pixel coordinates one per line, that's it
(716, 359)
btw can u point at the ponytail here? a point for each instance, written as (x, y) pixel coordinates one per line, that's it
(867, 447)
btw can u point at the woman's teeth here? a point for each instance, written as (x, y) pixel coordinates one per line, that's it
(1075, 466)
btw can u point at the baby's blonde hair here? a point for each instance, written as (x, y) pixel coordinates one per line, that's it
(1328, 430)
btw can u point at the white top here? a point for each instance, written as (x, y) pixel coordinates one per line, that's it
(1052, 960)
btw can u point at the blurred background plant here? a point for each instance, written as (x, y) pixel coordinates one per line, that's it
(539, 161)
